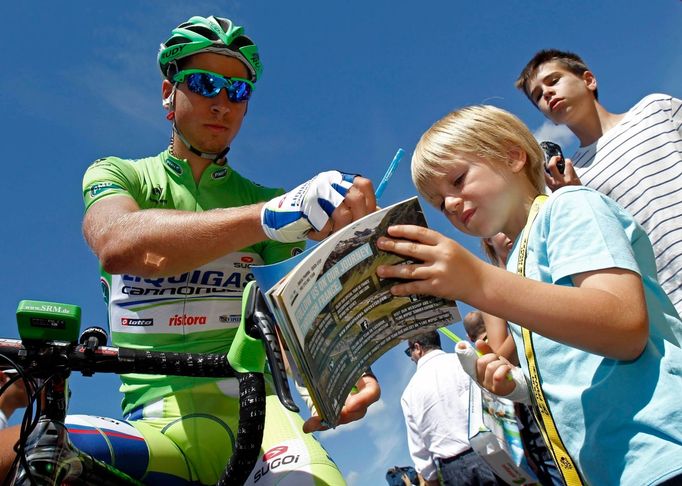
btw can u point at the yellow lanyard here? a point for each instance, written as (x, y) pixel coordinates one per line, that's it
(547, 426)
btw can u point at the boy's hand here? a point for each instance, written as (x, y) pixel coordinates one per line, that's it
(493, 372)
(355, 407)
(556, 179)
(446, 270)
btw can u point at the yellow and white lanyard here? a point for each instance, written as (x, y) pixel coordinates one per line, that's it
(548, 428)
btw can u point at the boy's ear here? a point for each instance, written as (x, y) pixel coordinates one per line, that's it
(589, 80)
(516, 158)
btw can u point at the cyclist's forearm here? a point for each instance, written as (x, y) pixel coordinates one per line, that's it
(161, 242)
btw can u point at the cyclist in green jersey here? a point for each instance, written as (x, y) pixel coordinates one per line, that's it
(175, 235)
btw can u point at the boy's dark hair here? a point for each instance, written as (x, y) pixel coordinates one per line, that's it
(427, 340)
(571, 61)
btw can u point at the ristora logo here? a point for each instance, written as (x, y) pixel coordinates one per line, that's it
(185, 320)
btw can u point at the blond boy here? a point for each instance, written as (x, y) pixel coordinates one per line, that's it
(598, 338)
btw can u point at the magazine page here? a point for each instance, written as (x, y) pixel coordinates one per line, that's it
(343, 316)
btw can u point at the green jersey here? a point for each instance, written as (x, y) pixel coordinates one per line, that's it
(199, 310)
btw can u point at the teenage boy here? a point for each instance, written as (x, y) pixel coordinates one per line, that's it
(634, 158)
(597, 337)
(173, 228)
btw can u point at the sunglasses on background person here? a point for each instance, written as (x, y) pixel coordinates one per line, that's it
(209, 84)
(409, 350)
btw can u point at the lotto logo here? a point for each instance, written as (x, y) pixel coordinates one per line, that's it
(126, 321)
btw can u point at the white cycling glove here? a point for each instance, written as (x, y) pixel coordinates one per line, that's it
(468, 357)
(291, 216)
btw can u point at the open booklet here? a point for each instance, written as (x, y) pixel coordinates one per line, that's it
(337, 316)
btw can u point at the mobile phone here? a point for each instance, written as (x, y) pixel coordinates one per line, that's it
(551, 149)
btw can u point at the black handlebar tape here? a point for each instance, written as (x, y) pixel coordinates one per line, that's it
(250, 432)
(162, 363)
(105, 359)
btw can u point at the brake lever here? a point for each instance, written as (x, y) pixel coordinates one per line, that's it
(260, 325)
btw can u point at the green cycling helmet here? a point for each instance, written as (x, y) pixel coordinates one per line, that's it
(209, 34)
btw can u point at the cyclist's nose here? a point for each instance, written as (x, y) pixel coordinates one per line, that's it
(221, 103)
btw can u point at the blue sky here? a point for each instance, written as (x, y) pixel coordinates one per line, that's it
(345, 84)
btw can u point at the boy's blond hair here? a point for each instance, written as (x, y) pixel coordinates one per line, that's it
(486, 131)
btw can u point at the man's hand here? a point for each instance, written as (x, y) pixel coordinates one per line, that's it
(305, 212)
(556, 179)
(355, 407)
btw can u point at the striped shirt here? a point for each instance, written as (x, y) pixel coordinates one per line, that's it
(638, 163)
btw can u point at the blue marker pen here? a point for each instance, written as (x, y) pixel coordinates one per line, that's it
(389, 172)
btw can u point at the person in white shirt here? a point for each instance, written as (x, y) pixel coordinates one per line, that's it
(435, 404)
(11, 398)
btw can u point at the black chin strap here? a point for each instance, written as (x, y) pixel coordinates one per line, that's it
(213, 156)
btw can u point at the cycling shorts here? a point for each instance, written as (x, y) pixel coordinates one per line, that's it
(188, 437)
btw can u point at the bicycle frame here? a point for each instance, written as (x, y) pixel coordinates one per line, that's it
(51, 458)
(46, 455)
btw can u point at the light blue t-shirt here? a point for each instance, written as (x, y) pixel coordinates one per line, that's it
(621, 421)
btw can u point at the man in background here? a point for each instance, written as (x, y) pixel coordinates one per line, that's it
(474, 325)
(435, 405)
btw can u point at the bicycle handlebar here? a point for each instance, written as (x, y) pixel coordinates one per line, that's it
(47, 356)
(255, 339)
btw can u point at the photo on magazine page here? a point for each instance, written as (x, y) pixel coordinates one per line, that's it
(344, 315)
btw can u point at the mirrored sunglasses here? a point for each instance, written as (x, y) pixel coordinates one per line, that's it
(208, 84)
